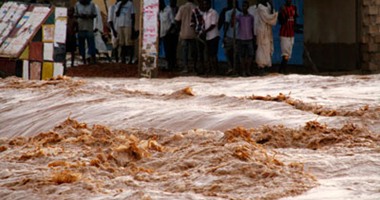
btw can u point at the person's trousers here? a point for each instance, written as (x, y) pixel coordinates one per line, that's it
(83, 37)
(188, 45)
(170, 46)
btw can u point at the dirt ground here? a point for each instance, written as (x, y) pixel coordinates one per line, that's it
(111, 70)
(131, 70)
(104, 69)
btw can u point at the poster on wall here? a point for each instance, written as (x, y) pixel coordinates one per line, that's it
(60, 12)
(25, 29)
(34, 47)
(149, 38)
(10, 14)
(60, 30)
(60, 25)
(48, 32)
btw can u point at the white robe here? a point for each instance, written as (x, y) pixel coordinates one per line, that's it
(98, 24)
(264, 21)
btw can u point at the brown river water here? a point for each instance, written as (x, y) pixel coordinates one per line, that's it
(293, 137)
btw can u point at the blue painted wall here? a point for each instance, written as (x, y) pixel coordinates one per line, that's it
(297, 55)
(218, 5)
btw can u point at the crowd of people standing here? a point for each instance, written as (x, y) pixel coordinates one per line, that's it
(85, 24)
(247, 38)
(193, 30)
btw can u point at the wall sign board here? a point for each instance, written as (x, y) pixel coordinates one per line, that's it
(149, 38)
(35, 37)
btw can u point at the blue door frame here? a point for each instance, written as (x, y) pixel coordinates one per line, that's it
(297, 55)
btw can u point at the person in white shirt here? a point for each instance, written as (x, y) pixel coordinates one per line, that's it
(231, 34)
(125, 25)
(211, 17)
(167, 24)
(111, 20)
(100, 45)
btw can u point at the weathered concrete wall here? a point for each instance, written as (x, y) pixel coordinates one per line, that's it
(331, 34)
(332, 21)
(370, 34)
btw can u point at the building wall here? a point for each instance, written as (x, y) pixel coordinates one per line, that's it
(331, 34)
(53, 2)
(370, 34)
(338, 34)
(331, 21)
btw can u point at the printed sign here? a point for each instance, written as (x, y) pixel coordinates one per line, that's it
(10, 14)
(23, 32)
(149, 38)
(48, 33)
(34, 36)
(60, 25)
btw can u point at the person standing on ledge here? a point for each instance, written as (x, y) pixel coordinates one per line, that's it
(71, 31)
(171, 39)
(265, 18)
(85, 12)
(125, 24)
(187, 35)
(111, 20)
(245, 39)
(287, 18)
(211, 33)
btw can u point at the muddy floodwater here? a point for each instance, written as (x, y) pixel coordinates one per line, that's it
(293, 137)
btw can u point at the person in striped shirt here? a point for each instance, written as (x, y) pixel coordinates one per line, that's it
(287, 18)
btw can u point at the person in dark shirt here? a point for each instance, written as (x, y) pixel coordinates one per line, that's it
(222, 15)
(71, 31)
(167, 33)
(173, 34)
(85, 12)
(198, 24)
